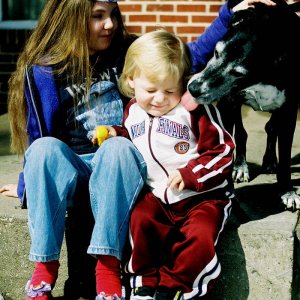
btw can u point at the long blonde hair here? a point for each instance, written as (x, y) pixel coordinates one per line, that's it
(158, 55)
(61, 40)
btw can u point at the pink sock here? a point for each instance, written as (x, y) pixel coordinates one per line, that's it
(108, 275)
(45, 271)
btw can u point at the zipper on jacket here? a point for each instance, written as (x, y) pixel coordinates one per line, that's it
(24, 199)
(33, 103)
(151, 118)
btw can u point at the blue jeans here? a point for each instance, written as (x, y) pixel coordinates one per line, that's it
(53, 173)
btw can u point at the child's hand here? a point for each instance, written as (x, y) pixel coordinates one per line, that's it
(175, 181)
(111, 132)
(250, 3)
(9, 190)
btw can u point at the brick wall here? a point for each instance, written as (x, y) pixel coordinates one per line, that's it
(187, 18)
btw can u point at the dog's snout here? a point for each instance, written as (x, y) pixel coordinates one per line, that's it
(192, 87)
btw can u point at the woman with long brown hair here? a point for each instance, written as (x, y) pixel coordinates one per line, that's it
(70, 67)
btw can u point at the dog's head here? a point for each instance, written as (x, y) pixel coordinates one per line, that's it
(252, 52)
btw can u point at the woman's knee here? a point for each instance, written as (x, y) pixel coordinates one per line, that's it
(120, 151)
(117, 146)
(43, 147)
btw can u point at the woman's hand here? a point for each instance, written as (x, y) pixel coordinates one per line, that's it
(175, 181)
(250, 3)
(9, 190)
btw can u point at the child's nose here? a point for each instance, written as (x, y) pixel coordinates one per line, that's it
(159, 97)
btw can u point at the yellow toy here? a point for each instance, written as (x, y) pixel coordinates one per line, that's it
(101, 134)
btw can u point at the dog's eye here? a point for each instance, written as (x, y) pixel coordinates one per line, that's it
(217, 54)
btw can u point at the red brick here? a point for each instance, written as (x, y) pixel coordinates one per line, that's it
(130, 7)
(134, 29)
(204, 19)
(190, 8)
(214, 8)
(173, 18)
(152, 28)
(142, 18)
(183, 29)
(157, 7)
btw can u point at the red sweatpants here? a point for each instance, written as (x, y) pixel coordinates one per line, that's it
(174, 245)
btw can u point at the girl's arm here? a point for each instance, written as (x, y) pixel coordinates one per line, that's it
(43, 116)
(202, 49)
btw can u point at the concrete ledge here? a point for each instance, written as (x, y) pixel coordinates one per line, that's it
(256, 250)
(257, 263)
(16, 269)
(259, 249)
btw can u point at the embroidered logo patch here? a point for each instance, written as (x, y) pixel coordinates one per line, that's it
(173, 129)
(182, 147)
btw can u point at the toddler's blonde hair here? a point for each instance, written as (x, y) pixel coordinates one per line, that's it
(158, 55)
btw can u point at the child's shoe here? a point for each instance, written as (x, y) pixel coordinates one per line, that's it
(42, 281)
(164, 293)
(39, 292)
(103, 296)
(142, 293)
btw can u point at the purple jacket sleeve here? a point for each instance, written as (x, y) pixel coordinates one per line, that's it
(202, 49)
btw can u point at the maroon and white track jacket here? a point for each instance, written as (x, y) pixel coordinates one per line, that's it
(195, 143)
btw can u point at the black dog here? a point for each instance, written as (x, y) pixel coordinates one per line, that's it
(255, 64)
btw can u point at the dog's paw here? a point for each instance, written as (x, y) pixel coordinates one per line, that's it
(291, 200)
(240, 171)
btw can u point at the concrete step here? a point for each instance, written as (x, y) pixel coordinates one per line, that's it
(259, 249)
(259, 257)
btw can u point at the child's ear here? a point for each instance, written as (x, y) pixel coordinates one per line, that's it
(130, 81)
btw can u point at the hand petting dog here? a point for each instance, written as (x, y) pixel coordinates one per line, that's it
(251, 3)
